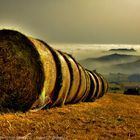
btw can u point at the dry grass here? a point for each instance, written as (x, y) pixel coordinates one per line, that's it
(113, 117)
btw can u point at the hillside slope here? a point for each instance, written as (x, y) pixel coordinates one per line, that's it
(113, 58)
(116, 63)
(112, 117)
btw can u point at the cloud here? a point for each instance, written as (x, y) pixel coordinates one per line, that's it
(75, 21)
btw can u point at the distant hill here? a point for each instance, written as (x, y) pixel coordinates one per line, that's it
(123, 50)
(114, 57)
(113, 63)
(128, 67)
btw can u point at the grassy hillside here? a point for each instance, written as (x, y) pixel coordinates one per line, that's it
(113, 117)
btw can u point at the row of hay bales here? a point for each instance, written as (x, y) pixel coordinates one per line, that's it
(33, 75)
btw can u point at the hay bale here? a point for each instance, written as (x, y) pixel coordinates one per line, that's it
(21, 72)
(88, 84)
(59, 78)
(93, 87)
(98, 84)
(82, 87)
(50, 73)
(61, 81)
(104, 85)
(61, 95)
(75, 77)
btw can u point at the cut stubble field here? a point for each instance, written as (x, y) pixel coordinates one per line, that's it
(113, 117)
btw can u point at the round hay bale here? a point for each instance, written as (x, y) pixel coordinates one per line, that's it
(62, 84)
(88, 84)
(82, 87)
(75, 77)
(99, 85)
(50, 73)
(93, 88)
(63, 80)
(59, 77)
(66, 80)
(104, 85)
(21, 72)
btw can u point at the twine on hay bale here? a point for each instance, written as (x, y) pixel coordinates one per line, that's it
(21, 72)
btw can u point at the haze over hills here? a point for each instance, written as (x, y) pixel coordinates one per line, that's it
(116, 63)
(123, 50)
(128, 67)
(115, 58)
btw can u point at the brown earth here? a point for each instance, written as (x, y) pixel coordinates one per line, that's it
(113, 117)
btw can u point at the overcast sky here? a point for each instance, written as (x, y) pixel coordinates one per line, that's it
(74, 21)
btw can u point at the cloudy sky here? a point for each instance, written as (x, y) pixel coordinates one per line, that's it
(74, 21)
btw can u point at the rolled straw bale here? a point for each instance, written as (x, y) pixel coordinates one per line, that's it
(82, 87)
(87, 86)
(75, 77)
(21, 72)
(62, 84)
(104, 85)
(61, 95)
(99, 85)
(58, 84)
(93, 88)
(50, 72)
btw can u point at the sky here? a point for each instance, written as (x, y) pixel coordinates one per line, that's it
(74, 21)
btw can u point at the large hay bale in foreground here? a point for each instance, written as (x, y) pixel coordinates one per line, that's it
(33, 75)
(21, 71)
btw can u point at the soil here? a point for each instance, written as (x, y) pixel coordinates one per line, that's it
(112, 117)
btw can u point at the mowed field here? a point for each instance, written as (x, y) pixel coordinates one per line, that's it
(112, 117)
